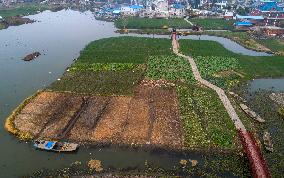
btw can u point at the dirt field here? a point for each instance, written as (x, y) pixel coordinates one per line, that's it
(150, 117)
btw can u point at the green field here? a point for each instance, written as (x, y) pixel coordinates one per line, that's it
(124, 50)
(214, 24)
(146, 23)
(250, 66)
(171, 68)
(206, 122)
(275, 45)
(101, 83)
(111, 66)
(242, 38)
(23, 10)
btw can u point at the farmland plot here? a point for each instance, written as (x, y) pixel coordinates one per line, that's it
(149, 117)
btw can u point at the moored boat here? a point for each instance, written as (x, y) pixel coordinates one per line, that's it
(55, 146)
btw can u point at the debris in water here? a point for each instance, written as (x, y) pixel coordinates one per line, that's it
(95, 164)
(251, 113)
(183, 163)
(76, 163)
(31, 56)
(193, 162)
(267, 141)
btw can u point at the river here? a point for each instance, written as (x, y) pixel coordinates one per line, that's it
(59, 37)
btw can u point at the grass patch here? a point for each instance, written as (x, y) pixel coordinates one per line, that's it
(214, 24)
(170, 68)
(242, 38)
(124, 50)
(281, 112)
(144, 23)
(275, 45)
(206, 122)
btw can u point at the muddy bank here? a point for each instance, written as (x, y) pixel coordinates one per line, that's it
(14, 21)
(150, 117)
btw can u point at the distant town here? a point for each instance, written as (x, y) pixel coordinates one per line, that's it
(264, 15)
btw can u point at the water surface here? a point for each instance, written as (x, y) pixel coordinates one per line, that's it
(274, 85)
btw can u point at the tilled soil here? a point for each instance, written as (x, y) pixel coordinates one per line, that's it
(151, 116)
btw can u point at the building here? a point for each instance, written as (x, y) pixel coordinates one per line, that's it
(177, 10)
(132, 10)
(228, 15)
(221, 4)
(243, 25)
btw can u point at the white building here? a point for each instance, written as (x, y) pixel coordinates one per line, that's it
(177, 10)
(131, 10)
(221, 4)
(161, 5)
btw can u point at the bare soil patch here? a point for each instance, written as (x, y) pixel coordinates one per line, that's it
(151, 116)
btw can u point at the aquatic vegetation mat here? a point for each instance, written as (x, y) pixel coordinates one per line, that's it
(219, 70)
(205, 121)
(115, 72)
(263, 66)
(171, 68)
(101, 82)
(124, 50)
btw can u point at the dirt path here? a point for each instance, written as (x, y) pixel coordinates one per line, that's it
(227, 104)
(186, 19)
(258, 165)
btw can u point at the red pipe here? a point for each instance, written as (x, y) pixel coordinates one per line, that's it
(257, 163)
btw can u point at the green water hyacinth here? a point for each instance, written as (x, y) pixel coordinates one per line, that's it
(170, 68)
(103, 67)
(209, 65)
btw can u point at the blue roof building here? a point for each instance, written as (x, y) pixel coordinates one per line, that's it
(243, 24)
(271, 6)
(250, 17)
(136, 7)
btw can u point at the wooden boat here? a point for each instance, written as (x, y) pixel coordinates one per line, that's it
(55, 146)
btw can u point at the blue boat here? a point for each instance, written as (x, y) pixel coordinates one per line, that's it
(55, 146)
